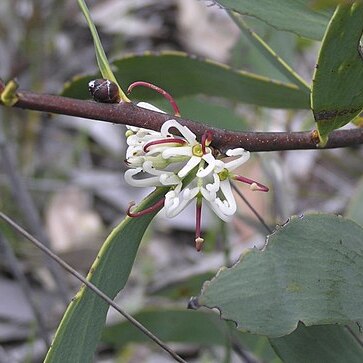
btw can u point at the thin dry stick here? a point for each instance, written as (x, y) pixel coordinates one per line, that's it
(129, 114)
(13, 263)
(249, 205)
(29, 211)
(95, 289)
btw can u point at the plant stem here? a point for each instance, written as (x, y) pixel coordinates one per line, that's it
(92, 287)
(250, 206)
(13, 264)
(129, 114)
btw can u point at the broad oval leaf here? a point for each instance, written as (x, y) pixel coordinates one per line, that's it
(295, 16)
(82, 324)
(317, 344)
(337, 91)
(311, 270)
(355, 206)
(182, 75)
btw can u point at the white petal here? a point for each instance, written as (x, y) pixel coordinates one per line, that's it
(219, 166)
(208, 195)
(228, 205)
(190, 165)
(169, 178)
(156, 149)
(177, 151)
(244, 156)
(213, 187)
(133, 140)
(190, 193)
(171, 203)
(209, 158)
(149, 168)
(186, 133)
(149, 106)
(146, 182)
(135, 161)
(133, 151)
(172, 212)
(216, 209)
(175, 202)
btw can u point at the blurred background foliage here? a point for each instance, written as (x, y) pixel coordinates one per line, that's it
(62, 177)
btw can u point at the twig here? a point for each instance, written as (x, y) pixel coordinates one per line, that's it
(13, 263)
(249, 205)
(92, 287)
(28, 209)
(129, 114)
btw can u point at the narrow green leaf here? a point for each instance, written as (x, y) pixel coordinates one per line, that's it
(337, 92)
(355, 206)
(182, 75)
(269, 54)
(310, 271)
(295, 16)
(186, 326)
(81, 327)
(101, 57)
(317, 344)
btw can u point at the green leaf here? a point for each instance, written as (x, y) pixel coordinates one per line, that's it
(101, 57)
(182, 75)
(172, 326)
(355, 206)
(337, 92)
(184, 288)
(185, 326)
(213, 112)
(317, 344)
(310, 271)
(290, 15)
(81, 327)
(268, 54)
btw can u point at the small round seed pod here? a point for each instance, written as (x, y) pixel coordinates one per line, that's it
(103, 90)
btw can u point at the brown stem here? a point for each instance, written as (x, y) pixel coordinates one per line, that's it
(129, 114)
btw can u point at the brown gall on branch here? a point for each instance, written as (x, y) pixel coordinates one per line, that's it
(129, 114)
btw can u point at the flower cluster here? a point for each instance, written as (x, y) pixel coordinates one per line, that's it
(174, 157)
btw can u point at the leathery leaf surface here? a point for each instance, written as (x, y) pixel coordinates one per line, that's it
(82, 324)
(337, 92)
(311, 270)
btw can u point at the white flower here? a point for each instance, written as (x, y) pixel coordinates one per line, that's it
(193, 151)
(215, 188)
(137, 137)
(154, 177)
(174, 157)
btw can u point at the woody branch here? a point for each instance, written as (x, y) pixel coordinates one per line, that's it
(130, 114)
